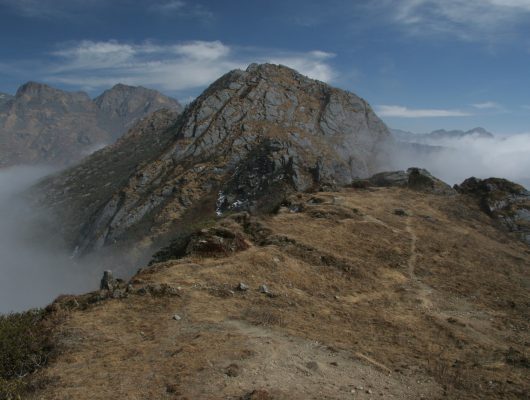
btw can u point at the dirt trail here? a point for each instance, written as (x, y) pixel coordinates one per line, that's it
(423, 291)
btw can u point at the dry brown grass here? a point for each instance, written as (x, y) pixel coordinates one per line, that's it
(439, 298)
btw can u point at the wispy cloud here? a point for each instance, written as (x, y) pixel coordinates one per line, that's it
(483, 157)
(470, 20)
(169, 6)
(46, 8)
(181, 8)
(71, 8)
(488, 105)
(170, 67)
(404, 112)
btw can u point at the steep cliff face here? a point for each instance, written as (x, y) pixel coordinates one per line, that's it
(251, 137)
(44, 125)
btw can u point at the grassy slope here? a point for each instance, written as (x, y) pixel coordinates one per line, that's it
(432, 304)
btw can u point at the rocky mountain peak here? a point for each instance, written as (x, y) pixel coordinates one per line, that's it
(32, 88)
(249, 139)
(42, 124)
(125, 105)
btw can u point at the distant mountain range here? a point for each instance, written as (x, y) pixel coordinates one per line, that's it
(45, 125)
(439, 135)
(4, 97)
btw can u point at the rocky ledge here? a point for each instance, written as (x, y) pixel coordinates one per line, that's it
(505, 201)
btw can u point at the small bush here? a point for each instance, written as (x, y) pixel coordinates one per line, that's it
(25, 345)
(12, 389)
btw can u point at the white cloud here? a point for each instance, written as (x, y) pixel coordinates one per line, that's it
(488, 105)
(460, 158)
(172, 5)
(404, 112)
(202, 51)
(59, 9)
(313, 64)
(171, 8)
(169, 67)
(467, 19)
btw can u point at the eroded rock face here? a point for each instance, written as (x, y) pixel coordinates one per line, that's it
(505, 201)
(251, 137)
(44, 125)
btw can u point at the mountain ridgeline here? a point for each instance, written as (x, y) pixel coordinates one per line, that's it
(440, 135)
(44, 125)
(249, 139)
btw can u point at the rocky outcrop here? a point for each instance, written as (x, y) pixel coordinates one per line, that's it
(44, 125)
(414, 178)
(249, 139)
(505, 201)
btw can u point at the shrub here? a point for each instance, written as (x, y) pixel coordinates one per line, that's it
(25, 345)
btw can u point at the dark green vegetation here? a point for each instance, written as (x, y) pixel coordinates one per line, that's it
(26, 343)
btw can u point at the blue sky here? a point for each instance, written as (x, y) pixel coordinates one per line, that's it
(422, 64)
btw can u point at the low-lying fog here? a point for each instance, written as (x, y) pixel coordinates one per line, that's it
(460, 158)
(32, 272)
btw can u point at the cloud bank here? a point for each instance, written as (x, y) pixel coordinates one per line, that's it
(461, 158)
(405, 112)
(33, 269)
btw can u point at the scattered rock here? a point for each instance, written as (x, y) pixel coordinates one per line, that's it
(242, 287)
(401, 212)
(260, 394)
(264, 289)
(312, 365)
(232, 370)
(172, 389)
(177, 317)
(156, 290)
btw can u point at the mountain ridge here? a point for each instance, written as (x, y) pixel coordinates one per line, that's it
(440, 135)
(45, 125)
(248, 139)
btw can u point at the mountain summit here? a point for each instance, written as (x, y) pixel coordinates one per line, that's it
(249, 139)
(124, 105)
(44, 125)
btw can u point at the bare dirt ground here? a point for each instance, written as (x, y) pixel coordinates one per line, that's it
(430, 301)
